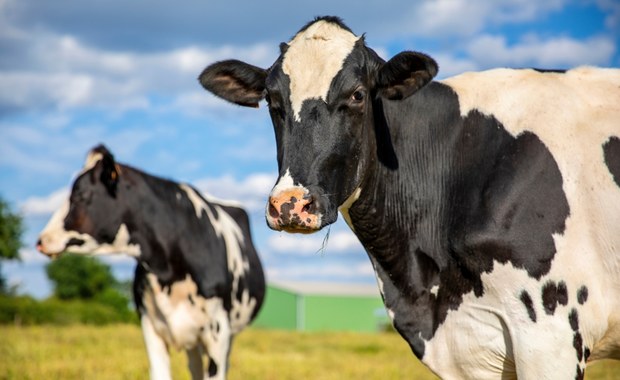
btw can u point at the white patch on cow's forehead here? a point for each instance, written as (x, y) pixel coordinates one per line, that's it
(312, 60)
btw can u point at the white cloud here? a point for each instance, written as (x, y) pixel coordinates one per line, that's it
(612, 8)
(321, 270)
(251, 192)
(63, 73)
(55, 151)
(488, 51)
(66, 71)
(512, 11)
(465, 18)
(337, 242)
(45, 205)
(450, 65)
(30, 255)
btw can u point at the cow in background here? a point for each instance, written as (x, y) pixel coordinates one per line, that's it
(488, 203)
(199, 280)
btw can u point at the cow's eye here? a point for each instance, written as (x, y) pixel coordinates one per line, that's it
(358, 95)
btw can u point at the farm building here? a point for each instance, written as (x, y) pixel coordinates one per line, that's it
(322, 307)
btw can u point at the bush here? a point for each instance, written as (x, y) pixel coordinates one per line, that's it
(76, 276)
(26, 310)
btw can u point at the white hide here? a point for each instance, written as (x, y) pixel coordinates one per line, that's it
(327, 60)
(225, 227)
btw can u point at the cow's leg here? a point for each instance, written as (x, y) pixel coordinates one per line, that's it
(216, 338)
(194, 360)
(159, 359)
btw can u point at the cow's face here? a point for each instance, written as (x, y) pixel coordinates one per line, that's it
(322, 93)
(89, 222)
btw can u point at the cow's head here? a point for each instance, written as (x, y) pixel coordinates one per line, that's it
(90, 221)
(322, 93)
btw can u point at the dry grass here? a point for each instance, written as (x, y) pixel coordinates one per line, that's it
(117, 352)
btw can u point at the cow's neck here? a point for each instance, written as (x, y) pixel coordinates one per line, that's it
(150, 216)
(400, 216)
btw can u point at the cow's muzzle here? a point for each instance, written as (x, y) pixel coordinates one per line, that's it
(53, 248)
(42, 247)
(293, 210)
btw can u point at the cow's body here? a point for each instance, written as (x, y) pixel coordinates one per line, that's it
(488, 203)
(198, 281)
(512, 231)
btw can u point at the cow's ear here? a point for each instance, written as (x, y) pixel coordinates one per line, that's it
(109, 174)
(404, 74)
(235, 81)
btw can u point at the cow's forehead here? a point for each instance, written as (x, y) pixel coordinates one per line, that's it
(313, 58)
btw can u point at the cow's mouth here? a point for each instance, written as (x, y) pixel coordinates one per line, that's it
(277, 225)
(51, 255)
(56, 253)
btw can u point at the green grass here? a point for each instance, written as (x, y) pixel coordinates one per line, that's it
(117, 352)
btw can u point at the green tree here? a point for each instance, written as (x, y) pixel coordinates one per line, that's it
(86, 278)
(81, 277)
(11, 229)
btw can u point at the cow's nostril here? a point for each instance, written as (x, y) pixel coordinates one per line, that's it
(273, 211)
(308, 207)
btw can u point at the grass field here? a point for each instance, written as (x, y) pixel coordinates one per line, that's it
(117, 352)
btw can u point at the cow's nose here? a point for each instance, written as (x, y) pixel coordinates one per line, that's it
(292, 210)
(43, 247)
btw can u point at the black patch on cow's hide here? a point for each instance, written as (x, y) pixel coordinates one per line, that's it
(212, 367)
(468, 194)
(578, 344)
(582, 295)
(140, 285)
(611, 150)
(509, 197)
(580, 373)
(554, 294)
(582, 352)
(549, 297)
(562, 293)
(573, 319)
(549, 71)
(529, 305)
(75, 242)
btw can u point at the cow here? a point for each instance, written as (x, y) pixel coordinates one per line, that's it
(198, 281)
(488, 203)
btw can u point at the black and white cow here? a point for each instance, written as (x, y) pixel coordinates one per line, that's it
(488, 203)
(199, 280)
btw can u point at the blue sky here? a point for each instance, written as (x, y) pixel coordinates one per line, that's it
(74, 74)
